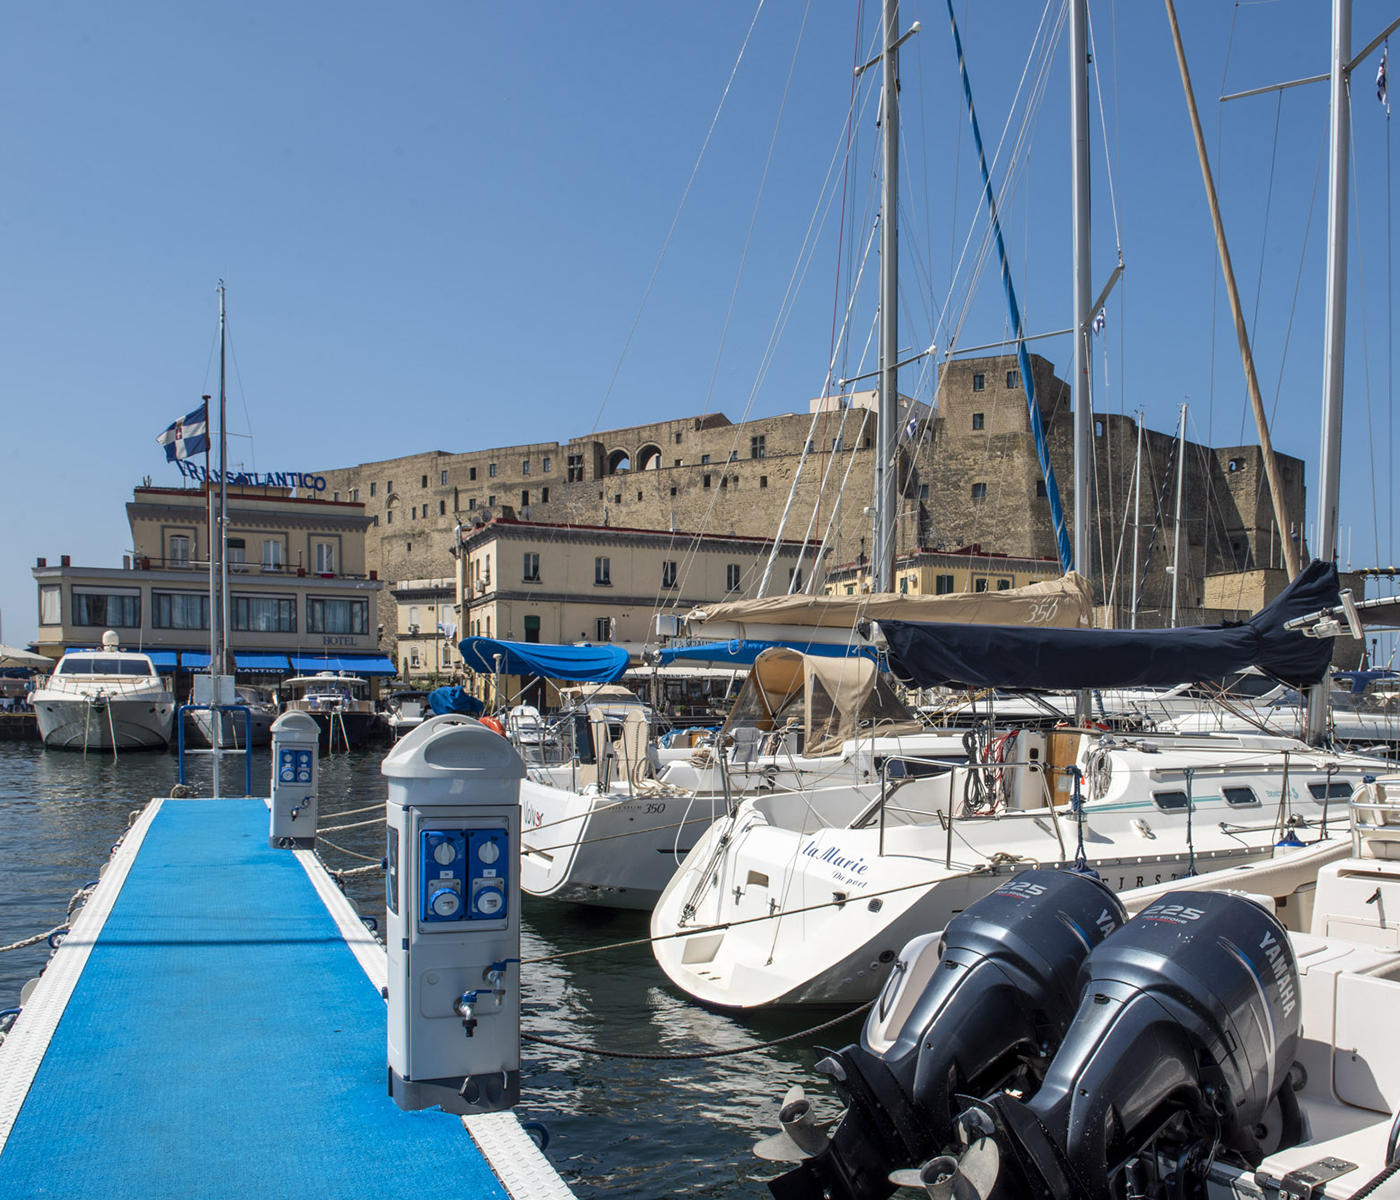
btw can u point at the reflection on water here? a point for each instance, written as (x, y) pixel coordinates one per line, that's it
(620, 1128)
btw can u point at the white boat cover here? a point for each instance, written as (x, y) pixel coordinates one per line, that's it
(1064, 603)
(836, 699)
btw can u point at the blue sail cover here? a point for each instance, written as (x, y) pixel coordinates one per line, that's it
(741, 653)
(577, 664)
(1014, 656)
(454, 700)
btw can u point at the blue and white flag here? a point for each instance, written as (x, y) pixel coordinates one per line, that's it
(913, 427)
(187, 436)
(1099, 322)
(1381, 94)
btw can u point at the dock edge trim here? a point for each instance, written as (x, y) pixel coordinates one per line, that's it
(366, 948)
(24, 1048)
(519, 1164)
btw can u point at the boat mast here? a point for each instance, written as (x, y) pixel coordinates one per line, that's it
(887, 428)
(218, 579)
(1180, 496)
(1334, 339)
(1081, 399)
(1256, 401)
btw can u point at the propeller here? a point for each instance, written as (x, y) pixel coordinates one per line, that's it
(802, 1135)
(946, 1178)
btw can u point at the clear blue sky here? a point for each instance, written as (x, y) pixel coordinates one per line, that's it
(437, 223)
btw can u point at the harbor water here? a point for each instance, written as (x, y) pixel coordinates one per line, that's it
(619, 1126)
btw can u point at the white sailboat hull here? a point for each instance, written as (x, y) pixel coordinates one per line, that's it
(787, 910)
(616, 848)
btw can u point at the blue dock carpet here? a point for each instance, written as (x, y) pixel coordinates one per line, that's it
(223, 1041)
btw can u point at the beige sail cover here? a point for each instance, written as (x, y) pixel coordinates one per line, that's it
(835, 699)
(1064, 603)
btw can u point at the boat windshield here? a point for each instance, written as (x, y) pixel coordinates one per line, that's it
(96, 665)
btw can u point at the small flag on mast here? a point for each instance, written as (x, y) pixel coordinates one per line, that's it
(187, 436)
(1381, 94)
(1099, 322)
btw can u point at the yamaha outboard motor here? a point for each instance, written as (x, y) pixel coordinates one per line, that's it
(1182, 1046)
(995, 1009)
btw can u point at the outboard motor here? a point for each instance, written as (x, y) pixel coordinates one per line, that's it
(995, 1009)
(1180, 1052)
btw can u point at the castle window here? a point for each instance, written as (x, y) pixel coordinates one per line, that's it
(979, 382)
(978, 420)
(979, 491)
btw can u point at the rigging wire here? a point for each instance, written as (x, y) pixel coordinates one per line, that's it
(1365, 341)
(675, 220)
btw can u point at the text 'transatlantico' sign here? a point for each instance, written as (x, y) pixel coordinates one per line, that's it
(283, 479)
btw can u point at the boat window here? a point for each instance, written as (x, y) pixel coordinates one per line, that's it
(1336, 790)
(105, 666)
(1239, 797)
(1170, 801)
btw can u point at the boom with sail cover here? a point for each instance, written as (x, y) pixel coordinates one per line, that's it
(580, 664)
(934, 655)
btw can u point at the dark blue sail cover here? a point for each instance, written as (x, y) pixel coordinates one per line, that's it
(578, 664)
(1014, 656)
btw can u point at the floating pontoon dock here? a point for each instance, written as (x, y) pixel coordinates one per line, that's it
(213, 1025)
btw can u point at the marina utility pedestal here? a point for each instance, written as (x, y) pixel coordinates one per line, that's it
(453, 917)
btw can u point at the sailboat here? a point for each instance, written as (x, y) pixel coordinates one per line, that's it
(774, 907)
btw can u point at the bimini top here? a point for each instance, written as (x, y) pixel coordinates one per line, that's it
(935, 655)
(582, 664)
(834, 699)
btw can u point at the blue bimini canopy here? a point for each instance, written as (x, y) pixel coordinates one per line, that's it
(576, 664)
(1014, 656)
(741, 653)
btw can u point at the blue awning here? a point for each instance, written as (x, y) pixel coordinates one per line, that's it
(368, 664)
(354, 664)
(577, 664)
(260, 660)
(193, 660)
(742, 653)
(164, 660)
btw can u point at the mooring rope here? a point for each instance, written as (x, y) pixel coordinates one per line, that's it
(352, 853)
(637, 1054)
(352, 825)
(35, 940)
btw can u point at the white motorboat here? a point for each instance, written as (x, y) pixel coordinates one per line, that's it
(338, 703)
(108, 699)
(238, 730)
(405, 711)
(781, 904)
(1234, 1038)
